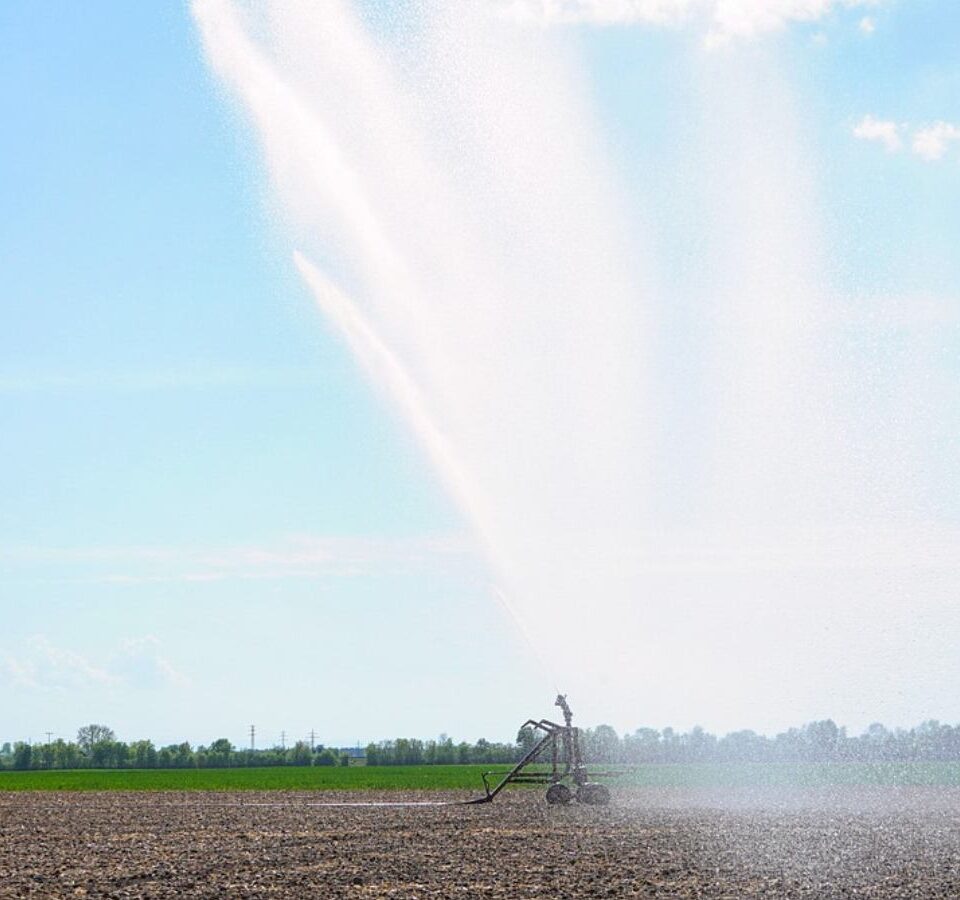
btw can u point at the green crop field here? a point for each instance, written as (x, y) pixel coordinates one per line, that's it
(284, 778)
(467, 778)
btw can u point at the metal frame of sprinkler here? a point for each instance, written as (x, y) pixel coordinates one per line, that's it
(567, 776)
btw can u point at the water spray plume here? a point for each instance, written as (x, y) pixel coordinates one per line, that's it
(385, 370)
(694, 529)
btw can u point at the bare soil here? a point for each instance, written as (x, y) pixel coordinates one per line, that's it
(651, 843)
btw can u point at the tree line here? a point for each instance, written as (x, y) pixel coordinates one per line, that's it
(822, 741)
(414, 752)
(96, 747)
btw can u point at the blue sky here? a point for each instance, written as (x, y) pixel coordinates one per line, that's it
(207, 517)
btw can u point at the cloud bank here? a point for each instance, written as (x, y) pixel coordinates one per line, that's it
(40, 664)
(931, 142)
(724, 19)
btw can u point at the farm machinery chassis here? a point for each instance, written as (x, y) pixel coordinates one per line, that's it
(567, 776)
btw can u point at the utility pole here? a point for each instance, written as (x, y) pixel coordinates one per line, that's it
(49, 735)
(283, 740)
(253, 737)
(313, 740)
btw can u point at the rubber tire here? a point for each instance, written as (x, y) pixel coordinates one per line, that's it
(594, 794)
(559, 795)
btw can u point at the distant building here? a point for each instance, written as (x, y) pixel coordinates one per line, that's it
(352, 752)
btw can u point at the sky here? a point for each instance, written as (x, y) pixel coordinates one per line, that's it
(209, 517)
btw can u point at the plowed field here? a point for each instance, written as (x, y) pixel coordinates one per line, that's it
(873, 843)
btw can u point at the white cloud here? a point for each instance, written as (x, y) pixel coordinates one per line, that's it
(883, 131)
(140, 663)
(724, 19)
(751, 18)
(868, 25)
(20, 673)
(136, 662)
(45, 666)
(600, 12)
(932, 142)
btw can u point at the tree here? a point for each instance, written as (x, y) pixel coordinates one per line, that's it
(643, 746)
(108, 754)
(65, 756)
(822, 739)
(670, 743)
(22, 755)
(603, 744)
(481, 751)
(301, 754)
(46, 755)
(698, 745)
(326, 758)
(219, 752)
(93, 734)
(743, 746)
(444, 751)
(526, 739)
(143, 754)
(184, 756)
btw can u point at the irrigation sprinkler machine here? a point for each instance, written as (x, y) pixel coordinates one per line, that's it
(556, 759)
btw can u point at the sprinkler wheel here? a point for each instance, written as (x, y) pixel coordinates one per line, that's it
(559, 794)
(593, 793)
